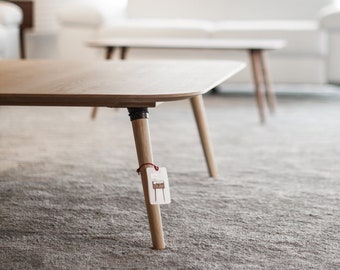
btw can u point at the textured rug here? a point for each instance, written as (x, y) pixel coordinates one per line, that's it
(70, 197)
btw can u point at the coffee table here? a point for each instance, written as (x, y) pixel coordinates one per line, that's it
(255, 47)
(135, 85)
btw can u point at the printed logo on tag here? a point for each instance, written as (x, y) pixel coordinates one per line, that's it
(158, 186)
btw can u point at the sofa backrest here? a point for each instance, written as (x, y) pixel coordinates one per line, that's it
(227, 9)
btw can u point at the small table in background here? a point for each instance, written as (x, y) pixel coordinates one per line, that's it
(255, 47)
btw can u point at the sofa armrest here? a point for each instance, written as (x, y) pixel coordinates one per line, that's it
(10, 14)
(330, 22)
(329, 17)
(90, 14)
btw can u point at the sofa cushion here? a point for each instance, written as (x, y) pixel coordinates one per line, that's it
(303, 37)
(148, 28)
(91, 13)
(86, 15)
(226, 9)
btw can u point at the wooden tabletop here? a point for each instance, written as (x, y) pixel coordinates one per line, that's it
(180, 43)
(108, 84)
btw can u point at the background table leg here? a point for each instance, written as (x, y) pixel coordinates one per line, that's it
(258, 80)
(108, 55)
(140, 126)
(271, 99)
(109, 52)
(202, 125)
(94, 112)
(123, 53)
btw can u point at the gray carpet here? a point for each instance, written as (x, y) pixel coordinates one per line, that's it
(70, 197)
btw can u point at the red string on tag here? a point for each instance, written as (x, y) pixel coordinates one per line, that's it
(144, 164)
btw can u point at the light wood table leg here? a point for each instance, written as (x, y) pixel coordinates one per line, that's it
(140, 126)
(108, 55)
(202, 125)
(270, 95)
(258, 80)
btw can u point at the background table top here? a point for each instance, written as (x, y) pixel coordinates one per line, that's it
(180, 43)
(108, 83)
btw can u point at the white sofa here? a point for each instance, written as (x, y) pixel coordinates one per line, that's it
(304, 24)
(10, 20)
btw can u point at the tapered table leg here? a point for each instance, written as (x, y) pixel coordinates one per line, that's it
(271, 99)
(94, 112)
(202, 125)
(140, 126)
(258, 80)
(109, 52)
(123, 53)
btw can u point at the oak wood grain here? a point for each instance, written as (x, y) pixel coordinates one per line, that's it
(109, 84)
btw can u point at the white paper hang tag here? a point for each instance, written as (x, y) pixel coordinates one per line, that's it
(158, 186)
